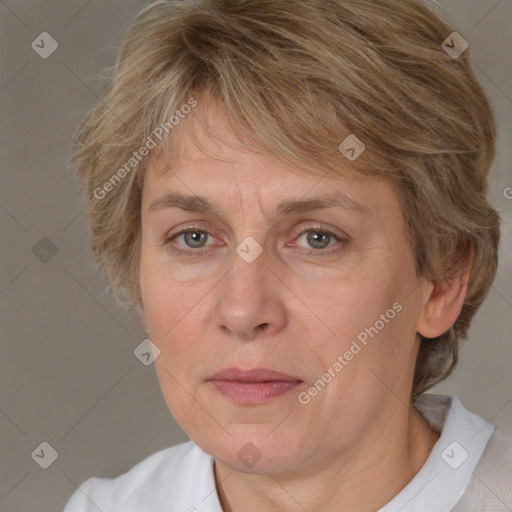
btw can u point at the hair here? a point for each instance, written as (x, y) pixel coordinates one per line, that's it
(294, 79)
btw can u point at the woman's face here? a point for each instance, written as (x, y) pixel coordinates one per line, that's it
(327, 296)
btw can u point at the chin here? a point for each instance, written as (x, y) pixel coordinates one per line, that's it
(256, 449)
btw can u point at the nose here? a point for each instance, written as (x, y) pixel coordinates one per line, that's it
(251, 303)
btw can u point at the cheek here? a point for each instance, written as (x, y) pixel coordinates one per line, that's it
(369, 324)
(165, 300)
(354, 304)
(178, 316)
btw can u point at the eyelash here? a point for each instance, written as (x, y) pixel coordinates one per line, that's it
(199, 252)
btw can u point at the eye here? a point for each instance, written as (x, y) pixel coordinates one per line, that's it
(195, 241)
(194, 238)
(320, 239)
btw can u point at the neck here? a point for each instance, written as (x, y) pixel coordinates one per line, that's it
(363, 478)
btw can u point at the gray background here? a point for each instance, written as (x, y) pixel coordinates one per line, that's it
(68, 375)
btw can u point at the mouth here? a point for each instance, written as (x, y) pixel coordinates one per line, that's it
(256, 386)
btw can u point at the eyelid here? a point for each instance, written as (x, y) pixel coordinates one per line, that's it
(191, 226)
(311, 226)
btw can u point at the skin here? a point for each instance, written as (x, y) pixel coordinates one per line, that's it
(291, 312)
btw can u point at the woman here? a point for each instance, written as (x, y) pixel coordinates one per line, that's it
(293, 194)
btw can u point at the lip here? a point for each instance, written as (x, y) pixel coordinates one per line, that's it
(255, 386)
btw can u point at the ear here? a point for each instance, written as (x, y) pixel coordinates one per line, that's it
(444, 301)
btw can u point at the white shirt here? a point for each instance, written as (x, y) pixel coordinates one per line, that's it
(468, 470)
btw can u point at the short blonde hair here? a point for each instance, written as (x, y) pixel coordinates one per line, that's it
(295, 78)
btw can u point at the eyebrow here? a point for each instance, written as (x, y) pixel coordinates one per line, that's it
(202, 204)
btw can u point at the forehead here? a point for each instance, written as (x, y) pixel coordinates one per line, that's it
(215, 167)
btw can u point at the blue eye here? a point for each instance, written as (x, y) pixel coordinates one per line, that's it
(317, 239)
(195, 239)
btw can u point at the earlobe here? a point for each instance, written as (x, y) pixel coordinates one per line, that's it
(445, 301)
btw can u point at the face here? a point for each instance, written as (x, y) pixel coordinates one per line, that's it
(282, 325)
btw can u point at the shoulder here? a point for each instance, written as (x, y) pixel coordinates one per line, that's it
(481, 478)
(156, 479)
(495, 466)
(491, 484)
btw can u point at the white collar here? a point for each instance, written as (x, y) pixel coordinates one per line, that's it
(449, 468)
(446, 473)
